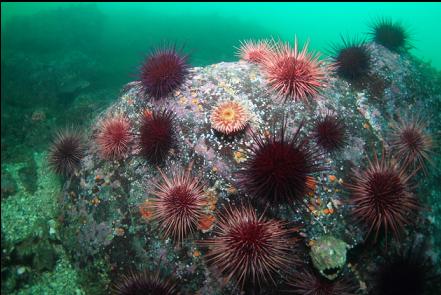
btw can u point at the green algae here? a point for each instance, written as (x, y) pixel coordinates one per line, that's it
(23, 214)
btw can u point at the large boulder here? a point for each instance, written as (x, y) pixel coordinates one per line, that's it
(102, 221)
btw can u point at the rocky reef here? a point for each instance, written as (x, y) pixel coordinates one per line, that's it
(117, 224)
(107, 215)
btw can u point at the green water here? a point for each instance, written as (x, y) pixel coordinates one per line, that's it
(64, 63)
(210, 29)
(114, 38)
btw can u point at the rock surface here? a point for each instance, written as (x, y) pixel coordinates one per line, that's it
(101, 220)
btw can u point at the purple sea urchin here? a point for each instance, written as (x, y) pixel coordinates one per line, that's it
(391, 35)
(157, 135)
(407, 272)
(66, 152)
(145, 283)
(278, 168)
(381, 197)
(410, 144)
(308, 282)
(163, 71)
(352, 60)
(330, 132)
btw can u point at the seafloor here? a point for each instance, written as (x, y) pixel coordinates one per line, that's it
(77, 236)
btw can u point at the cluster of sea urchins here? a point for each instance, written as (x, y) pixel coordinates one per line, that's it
(382, 194)
(245, 246)
(292, 74)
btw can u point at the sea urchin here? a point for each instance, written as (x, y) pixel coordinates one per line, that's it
(163, 71)
(66, 152)
(292, 74)
(157, 135)
(410, 144)
(254, 52)
(278, 168)
(381, 197)
(178, 204)
(330, 132)
(352, 60)
(248, 247)
(407, 272)
(229, 117)
(309, 282)
(391, 35)
(144, 283)
(114, 137)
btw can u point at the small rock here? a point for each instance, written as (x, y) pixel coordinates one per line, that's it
(21, 270)
(328, 255)
(45, 258)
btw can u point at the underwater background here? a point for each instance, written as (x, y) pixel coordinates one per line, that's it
(66, 64)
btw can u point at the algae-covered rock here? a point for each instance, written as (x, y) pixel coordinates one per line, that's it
(9, 186)
(28, 176)
(25, 214)
(104, 205)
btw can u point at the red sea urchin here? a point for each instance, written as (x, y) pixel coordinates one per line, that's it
(66, 152)
(145, 283)
(293, 75)
(248, 247)
(157, 136)
(178, 204)
(330, 132)
(309, 282)
(114, 137)
(163, 71)
(278, 168)
(254, 52)
(410, 144)
(381, 197)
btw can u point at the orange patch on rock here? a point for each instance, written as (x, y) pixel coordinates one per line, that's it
(206, 222)
(146, 210)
